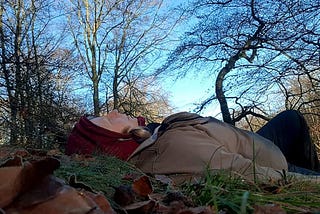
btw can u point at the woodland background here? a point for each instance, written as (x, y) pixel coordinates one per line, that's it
(63, 59)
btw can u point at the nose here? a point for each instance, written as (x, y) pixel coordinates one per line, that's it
(115, 111)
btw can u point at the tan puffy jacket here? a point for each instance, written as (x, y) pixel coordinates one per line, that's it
(187, 144)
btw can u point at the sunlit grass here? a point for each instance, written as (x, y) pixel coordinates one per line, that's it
(235, 195)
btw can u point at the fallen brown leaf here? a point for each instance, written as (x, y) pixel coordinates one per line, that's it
(4, 152)
(15, 180)
(102, 202)
(45, 189)
(82, 158)
(177, 196)
(67, 200)
(275, 189)
(142, 186)
(139, 198)
(22, 153)
(269, 209)
(176, 207)
(31, 188)
(10, 184)
(131, 176)
(54, 152)
(143, 207)
(13, 161)
(33, 172)
(196, 210)
(124, 195)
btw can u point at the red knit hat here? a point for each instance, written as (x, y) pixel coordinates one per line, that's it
(141, 121)
(88, 138)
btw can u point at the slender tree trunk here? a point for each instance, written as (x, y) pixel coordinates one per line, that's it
(115, 89)
(230, 65)
(219, 88)
(9, 87)
(19, 95)
(95, 81)
(96, 98)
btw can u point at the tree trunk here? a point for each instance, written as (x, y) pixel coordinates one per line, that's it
(11, 100)
(219, 88)
(96, 98)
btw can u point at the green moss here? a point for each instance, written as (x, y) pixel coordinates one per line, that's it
(101, 173)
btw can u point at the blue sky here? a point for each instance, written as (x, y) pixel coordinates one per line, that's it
(194, 87)
(189, 90)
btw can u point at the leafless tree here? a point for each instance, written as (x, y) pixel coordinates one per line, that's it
(117, 41)
(28, 71)
(250, 47)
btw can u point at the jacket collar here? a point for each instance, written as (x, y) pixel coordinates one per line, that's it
(148, 142)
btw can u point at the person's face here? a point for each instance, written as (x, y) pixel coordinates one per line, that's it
(121, 122)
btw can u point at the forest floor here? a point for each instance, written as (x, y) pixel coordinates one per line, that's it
(128, 190)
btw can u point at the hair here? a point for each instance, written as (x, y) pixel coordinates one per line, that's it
(139, 134)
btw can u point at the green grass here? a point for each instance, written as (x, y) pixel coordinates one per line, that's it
(224, 192)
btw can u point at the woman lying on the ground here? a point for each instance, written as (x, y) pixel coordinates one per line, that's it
(186, 144)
